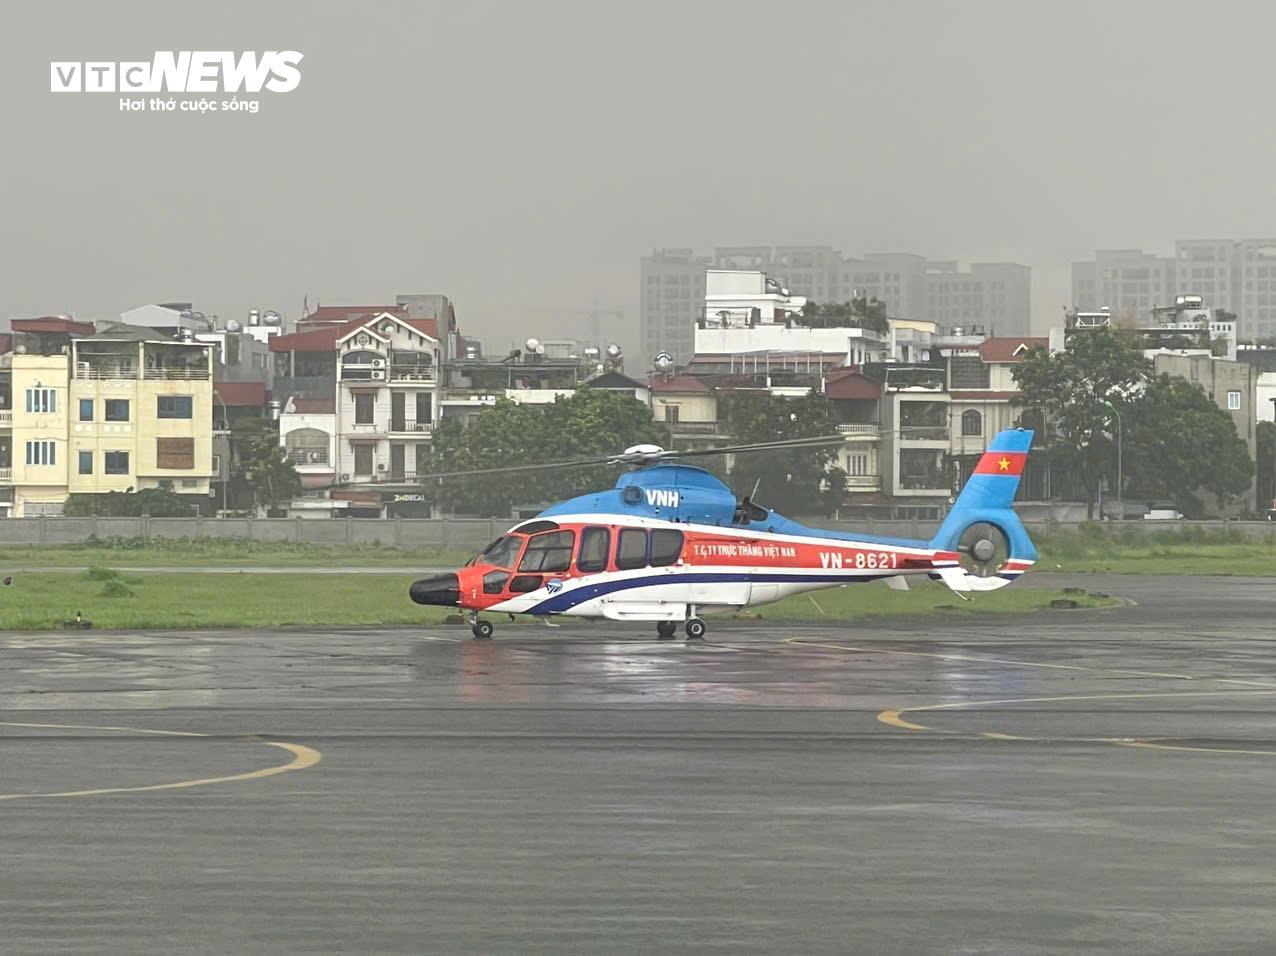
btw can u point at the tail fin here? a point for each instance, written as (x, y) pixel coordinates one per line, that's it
(987, 498)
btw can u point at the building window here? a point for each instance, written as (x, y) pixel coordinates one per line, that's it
(1233, 401)
(42, 453)
(177, 453)
(362, 459)
(173, 406)
(671, 414)
(42, 401)
(190, 482)
(86, 462)
(217, 464)
(115, 463)
(86, 409)
(116, 409)
(363, 404)
(307, 446)
(972, 423)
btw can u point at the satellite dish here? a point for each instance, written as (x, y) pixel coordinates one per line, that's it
(597, 368)
(532, 344)
(613, 351)
(271, 317)
(540, 349)
(664, 361)
(233, 325)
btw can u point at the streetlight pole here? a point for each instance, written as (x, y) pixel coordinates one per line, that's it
(225, 469)
(1120, 489)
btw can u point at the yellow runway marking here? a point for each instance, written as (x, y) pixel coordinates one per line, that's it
(894, 717)
(302, 758)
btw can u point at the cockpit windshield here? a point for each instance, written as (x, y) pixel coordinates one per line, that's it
(501, 553)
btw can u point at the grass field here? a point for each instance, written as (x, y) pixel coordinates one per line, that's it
(115, 599)
(213, 552)
(1122, 549)
(1133, 550)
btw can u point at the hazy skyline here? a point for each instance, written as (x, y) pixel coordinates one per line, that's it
(523, 158)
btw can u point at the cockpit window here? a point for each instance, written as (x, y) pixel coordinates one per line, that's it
(502, 552)
(551, 551)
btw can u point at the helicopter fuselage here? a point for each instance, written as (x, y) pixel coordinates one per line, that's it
(633, 568)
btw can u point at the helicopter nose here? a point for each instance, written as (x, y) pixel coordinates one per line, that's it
(443, 590)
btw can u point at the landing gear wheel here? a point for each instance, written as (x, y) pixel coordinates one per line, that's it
(665, 630)
(695, 629)
(482, 630)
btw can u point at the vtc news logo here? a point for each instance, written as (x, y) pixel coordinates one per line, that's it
(181, 72)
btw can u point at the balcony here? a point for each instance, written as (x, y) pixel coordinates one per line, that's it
(411, 427)
(422, 374)
(923, 432)
(177, 374)
(308, 456)
(6, 417)
(6, 474)
(863, 482)
(862, 429)
(695, 428)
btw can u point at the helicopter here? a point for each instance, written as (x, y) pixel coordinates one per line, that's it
(671, 542)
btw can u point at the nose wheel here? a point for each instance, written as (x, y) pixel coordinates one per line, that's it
(482, 630)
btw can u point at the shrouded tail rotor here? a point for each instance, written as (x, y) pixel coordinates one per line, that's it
(983, 549)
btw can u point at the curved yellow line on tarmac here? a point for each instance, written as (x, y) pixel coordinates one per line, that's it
(302, 758)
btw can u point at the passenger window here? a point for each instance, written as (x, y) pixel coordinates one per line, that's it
(494, 581)
(631, 552)
(524, 583)
(547, 552)
(594, 544)
(666, 546)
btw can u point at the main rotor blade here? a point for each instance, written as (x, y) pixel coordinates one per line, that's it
(637, 458)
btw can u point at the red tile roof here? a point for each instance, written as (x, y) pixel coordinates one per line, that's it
(241, 393)
(852, 385)
(324, 338)
(678, 383)
(51, 323)
(1010, 349)
(341, 314)
(984, 396)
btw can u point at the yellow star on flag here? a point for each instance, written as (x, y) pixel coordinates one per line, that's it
(1004, 464)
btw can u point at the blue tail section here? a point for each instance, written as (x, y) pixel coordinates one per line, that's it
(988, 496)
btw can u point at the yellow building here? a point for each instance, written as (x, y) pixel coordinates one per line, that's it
(139, 413)
(39, 445)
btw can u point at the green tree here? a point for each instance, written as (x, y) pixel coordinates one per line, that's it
(1178, 442)
(1070, 390)
(860, 312)
(795, 482)
(588, 423)
(261, 464)
(1266, 464)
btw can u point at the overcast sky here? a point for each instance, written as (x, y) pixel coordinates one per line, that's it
(522, 157)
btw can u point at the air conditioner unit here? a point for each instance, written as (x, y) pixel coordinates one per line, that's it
(381, 467)
(316, 456)
(378, 363)
(345, 477)
(378, 375)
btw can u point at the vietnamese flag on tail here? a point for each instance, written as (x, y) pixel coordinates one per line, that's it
(1001, 463)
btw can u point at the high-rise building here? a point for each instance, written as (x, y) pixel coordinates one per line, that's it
(991, 295)
(1237, 276)
(670, 300)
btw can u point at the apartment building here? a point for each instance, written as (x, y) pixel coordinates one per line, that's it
(119, 409)
(1237, 276)
(994, 295)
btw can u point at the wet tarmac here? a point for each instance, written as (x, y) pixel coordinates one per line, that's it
(1070, 780)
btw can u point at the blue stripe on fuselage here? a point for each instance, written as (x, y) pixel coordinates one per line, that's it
(567, 600)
